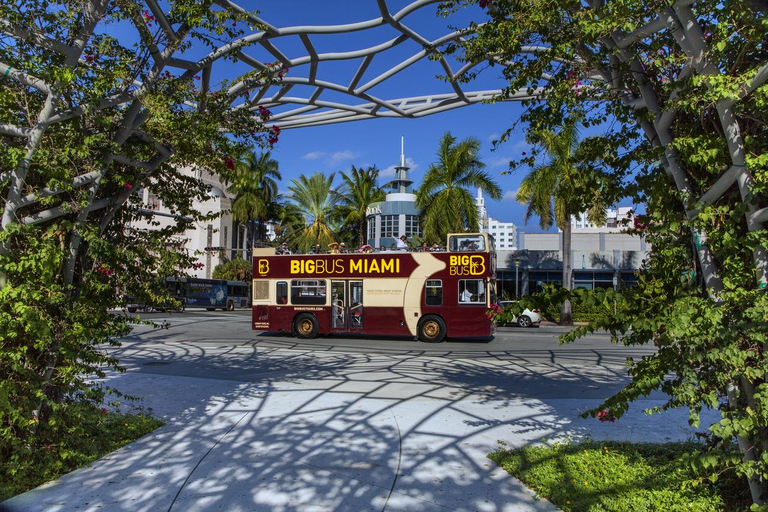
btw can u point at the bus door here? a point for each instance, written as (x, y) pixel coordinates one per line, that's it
(346, 305)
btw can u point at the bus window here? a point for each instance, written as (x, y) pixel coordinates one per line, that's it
(471, 291)
(434, 292)
(308, 291)
(466, 243)
(282, 292)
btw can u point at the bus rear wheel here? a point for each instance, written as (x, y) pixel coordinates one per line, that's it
(305, 326)
(432, 329)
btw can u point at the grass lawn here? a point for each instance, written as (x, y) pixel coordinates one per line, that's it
(84, 434)
(613, 476)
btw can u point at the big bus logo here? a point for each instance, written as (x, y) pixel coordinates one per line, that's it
(263, 267)
(466, 265)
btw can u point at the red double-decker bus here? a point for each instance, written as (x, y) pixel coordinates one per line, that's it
(430, 295)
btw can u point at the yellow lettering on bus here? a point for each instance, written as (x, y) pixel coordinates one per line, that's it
(295, 267)
(397, 265)
(476, 265)
(454, 260)
(387, 266)
(356, 266)
(374, 267)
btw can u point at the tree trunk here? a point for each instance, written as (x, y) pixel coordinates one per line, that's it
(566, 316)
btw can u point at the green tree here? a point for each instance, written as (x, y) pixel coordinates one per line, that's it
(359, 189)
(253, 184)
(236, 269)
(85, 124)
(445, 203)
(679, 88)
(315, 199)
(563, 186)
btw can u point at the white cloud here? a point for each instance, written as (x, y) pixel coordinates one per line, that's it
(342, 156)
(509, 195)
(492, 137)
(314, 155)
(500, 161)
(389, 172)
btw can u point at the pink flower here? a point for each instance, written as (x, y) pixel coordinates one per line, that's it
(606, 415)
(128, 186)
(197, 77)
(264, 113)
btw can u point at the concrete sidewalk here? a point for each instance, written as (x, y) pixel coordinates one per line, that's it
(307, 431)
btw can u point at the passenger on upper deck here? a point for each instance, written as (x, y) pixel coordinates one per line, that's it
(402, 242)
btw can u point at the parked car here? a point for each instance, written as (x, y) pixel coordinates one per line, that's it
(527, 319)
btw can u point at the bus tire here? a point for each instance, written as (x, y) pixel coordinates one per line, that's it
(210, 309)
(230, 306)
(305, 326)
(432, 329)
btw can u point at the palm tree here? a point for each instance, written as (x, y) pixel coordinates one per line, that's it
(253, 184)
(445, 203)
(567, 184)
(315, 199)
(359, 189)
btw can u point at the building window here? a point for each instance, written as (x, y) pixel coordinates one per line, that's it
(371, 227)
(433, 295)
(471, 291)
(390, 226)
(308, 291)
(412, 227)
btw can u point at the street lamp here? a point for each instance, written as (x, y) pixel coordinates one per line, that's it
(517, 278)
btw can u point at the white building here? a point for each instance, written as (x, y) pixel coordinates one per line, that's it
(613, 221)
(211, 242)
(505, 233)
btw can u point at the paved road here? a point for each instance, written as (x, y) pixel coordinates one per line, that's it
(264, 422)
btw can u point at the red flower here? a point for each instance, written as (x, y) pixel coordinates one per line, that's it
(128, 186)
(229, 163)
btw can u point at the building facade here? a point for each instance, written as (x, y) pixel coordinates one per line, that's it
(212, 242)
(599, 259)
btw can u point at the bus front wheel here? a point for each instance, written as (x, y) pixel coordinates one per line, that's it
(305, 326)
(432, 329)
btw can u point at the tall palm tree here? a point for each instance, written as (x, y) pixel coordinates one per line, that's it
(359, 189)
(567, 184)
(253, 183)
(315, 199)
(445, 203)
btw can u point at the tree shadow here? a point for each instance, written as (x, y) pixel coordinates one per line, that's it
(264, 425)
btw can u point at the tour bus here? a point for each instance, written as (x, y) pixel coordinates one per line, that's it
(429, 295)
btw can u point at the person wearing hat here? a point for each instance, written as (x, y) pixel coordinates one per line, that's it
(402, 242)
(342, 247)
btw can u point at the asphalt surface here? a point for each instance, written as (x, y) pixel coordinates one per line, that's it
(266, 422)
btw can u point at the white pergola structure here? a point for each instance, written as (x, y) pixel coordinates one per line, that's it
(311, 108)
(314, 108)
